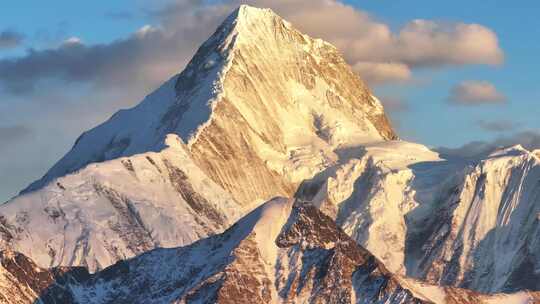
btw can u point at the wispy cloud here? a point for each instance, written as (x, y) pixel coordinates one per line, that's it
(475, 93)
(10, 39)
(381, 72)
(147, 57)
(12, 134)
(497, 125)
(394, 104)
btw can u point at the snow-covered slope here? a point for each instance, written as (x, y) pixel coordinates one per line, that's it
(280, 253)
(485, 234)
(472, 225)
(261, 106)
(117, 209)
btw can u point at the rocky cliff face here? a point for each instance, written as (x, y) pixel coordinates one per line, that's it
(279, 253)
(23, 282)
(486, 234)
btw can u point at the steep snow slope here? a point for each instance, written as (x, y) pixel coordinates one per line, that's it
(261, 107)
(117, 209)
(473, 225)
(486, 234)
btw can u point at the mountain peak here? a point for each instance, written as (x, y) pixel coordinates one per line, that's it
(248, 25)
(249, 21)
(290, 94)
(246, 12)
(246, 15)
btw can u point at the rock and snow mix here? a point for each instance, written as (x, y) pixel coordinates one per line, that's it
(117, 209)
(282, 252)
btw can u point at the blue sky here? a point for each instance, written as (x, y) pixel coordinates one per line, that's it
(432, 121)
(38, 126)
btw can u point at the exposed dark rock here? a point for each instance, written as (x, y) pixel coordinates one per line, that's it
(128, 165)
(128, 224)
(196, 201)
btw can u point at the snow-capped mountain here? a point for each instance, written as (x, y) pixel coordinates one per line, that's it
(451, 222)
(258, 96)
(258, 109)
(279, 253)
(263, 110)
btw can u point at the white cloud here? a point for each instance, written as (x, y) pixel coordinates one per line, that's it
(475, 93)
(378, 53)
(375, 72)
(72, 41)
(431, 43)
(146, 30)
